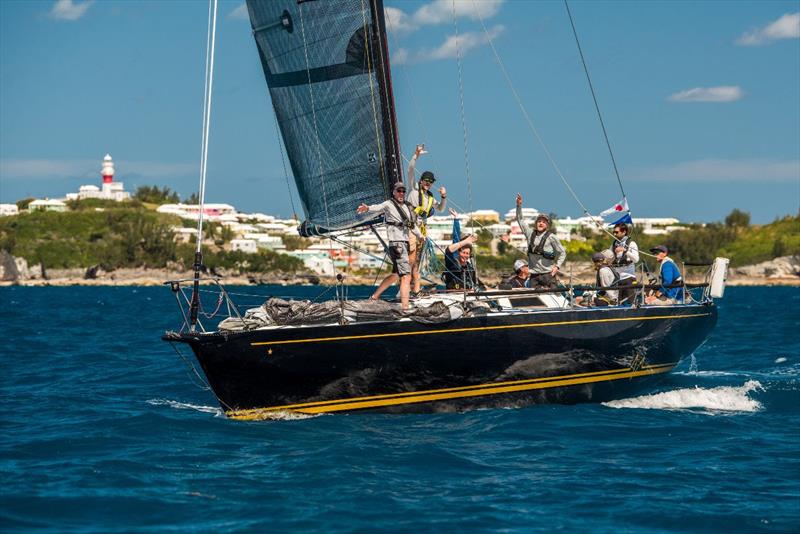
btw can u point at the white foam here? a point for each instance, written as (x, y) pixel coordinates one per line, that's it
(709, 373)
(185, 406)
(287, 415)
(780, 360)
(711, 400)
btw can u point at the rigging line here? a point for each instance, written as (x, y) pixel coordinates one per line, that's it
(525, 113)
(209, 81)
(316, 131)
(412, 94)
(533, 129)
(463, 114)
(594, 97)
(283, 162)
(463, 120)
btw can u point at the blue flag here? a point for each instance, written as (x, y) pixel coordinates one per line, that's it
(624, 219)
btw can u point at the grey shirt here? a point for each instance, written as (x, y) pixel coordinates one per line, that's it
(539, 264)
(391, 215)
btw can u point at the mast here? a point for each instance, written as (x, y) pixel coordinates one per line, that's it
(384, 75)
(209, 82)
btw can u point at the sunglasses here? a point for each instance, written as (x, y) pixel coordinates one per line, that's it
(400, 190)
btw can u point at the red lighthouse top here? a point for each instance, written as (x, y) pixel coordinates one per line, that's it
(108, 169)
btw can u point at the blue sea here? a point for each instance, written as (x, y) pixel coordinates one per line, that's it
(106, 429)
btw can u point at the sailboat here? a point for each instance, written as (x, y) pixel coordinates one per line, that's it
(327, 68)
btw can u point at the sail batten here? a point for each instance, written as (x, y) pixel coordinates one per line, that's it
(332, 100)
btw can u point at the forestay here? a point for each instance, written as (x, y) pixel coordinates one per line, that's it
(327, 69)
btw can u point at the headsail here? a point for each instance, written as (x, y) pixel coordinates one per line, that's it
(327, 68)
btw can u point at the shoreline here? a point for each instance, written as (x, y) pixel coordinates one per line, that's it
(160, 277)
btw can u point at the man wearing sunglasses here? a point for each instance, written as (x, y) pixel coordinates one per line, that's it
(424, 204)
(401, 222)
(625, 250)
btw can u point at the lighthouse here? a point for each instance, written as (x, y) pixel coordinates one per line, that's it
(108, 170)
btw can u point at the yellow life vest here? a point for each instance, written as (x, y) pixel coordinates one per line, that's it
(424, 210)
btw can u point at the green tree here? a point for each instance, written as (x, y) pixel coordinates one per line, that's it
(23, 204)
(737, 219)
(194, 198)
(153, 195)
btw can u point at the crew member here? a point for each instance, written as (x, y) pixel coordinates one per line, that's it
(546, 254)
(624, 250)
(521, 278)
(607, 278)
(459, 273)
(424, 204)
(400, 223)
(669, 274)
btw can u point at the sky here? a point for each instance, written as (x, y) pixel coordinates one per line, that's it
(701, 103)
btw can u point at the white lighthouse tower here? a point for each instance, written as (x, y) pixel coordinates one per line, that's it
(112, 190)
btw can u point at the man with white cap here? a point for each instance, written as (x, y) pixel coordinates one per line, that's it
(401, 222)
(521, 278)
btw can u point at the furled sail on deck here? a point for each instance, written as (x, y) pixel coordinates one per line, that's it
(327, 69)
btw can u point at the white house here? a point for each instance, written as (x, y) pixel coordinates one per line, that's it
(8, 209)
(248, 246)
(47, 205)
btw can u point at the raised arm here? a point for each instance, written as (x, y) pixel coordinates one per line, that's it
(412, 168)
(522, 224)
(469, 240)
(443, 202)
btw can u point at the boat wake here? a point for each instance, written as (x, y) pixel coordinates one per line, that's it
(185, 406)
(722, 399)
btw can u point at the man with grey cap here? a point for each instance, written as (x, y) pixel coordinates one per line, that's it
(546, 254)
(608, 278)
(401, 222)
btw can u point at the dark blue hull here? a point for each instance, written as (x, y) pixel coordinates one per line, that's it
(543, 356)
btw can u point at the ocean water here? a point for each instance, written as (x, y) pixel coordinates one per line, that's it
(106, 429)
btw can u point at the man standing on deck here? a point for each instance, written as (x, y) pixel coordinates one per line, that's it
(624, 250)
(400, 223)
(546, 254)
(421, 199)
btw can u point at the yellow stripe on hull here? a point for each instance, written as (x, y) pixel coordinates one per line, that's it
(379, 401)
(475, 329)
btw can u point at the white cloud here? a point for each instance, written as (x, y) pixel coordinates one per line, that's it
(449, 48)
(723, 170)
(397, 21)
(11, 169)
(729, 93)
(239, 13)
(786, 27)
(400, 57)
(69, 9)
(465, 42)
(439, 12)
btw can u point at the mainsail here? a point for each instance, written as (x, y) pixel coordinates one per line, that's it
(327, 68)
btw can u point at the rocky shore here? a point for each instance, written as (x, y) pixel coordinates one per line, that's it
(16, 271)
